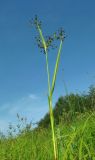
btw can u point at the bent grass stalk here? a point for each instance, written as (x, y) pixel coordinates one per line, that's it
(51, 88)
(81, 141)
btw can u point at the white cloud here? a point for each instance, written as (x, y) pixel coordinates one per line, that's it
(24, 104)
(33, 96)
(31, 106)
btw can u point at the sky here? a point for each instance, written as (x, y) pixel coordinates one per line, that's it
(23, 78)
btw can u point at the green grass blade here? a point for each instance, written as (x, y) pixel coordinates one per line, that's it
(68, 146)
(56, 67)
(85, 124)
(80, 149)
(45, 48)
(42, 38)
(87, 148)
(49, 96)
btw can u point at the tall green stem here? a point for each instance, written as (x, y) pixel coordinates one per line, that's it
(51, 111)
(49, 96)
(51, 86)
(56, 67)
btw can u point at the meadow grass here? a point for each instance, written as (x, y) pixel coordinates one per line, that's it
(75, 141)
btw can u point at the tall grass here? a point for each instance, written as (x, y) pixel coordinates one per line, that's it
(45, 45)
(75, 141)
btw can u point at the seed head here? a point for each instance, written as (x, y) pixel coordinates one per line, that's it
(49, 40)
(36, 22)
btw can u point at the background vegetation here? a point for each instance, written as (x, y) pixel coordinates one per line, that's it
(68, 107)
(75, 131)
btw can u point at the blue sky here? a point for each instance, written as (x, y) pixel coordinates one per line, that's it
(23, 79)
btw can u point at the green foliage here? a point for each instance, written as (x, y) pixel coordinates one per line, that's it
(75, 132)
(75, 141)
(69, 106)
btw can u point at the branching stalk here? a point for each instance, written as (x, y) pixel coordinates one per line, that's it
(49, 96)
(44, 45)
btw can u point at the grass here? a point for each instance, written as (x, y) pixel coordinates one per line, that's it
(45, 44)
(69, 140)
(75, 141)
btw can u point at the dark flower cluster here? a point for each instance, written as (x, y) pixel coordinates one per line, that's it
(60, 35)
(36, 22)
(49, 40)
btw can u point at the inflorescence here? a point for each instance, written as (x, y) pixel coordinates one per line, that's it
(49, 40)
